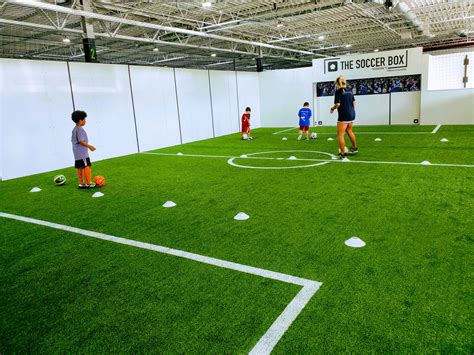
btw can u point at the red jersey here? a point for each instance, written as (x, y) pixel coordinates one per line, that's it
(246, 123)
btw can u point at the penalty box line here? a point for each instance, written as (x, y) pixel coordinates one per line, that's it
(272, 336)
(314, 160)
(366, 132)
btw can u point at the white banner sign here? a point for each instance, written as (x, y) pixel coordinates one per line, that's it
(381, 64)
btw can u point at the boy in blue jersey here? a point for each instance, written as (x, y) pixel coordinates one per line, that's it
(305, 116)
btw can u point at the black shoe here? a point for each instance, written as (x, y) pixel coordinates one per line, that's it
(82, 186)
(342, 156)
(92, 185)
(353, 151)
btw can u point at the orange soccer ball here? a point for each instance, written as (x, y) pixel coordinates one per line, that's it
(99, 180)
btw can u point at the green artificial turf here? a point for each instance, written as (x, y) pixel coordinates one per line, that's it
(410, 289)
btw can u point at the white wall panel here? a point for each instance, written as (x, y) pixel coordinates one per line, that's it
(404, 107)
(248, 85)
(103, 91)
(156, 109)
(321, 113)
(370, 110)
(282, 94)
(444, 106)
(448, 107)
(194, 104)
(224, 102)
(35, 110)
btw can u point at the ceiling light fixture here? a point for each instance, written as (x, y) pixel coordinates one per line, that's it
(155, 49)
(348, 45)
(321, 38)
(213, 54)
(206, 4)
(376, 50)
(66, 40)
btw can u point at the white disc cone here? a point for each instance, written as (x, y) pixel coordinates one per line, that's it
(378, 139)
(35, 189)
(355, 242)
(444, 140)
(345, 160)
(179, 153)
(98, 194)
(284, 139)
(425, 162)
(241, 216)
(330, 139)
(292, 158)
(244, 156)
(169, 204)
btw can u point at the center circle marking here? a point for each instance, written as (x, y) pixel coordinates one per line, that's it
(233, 163)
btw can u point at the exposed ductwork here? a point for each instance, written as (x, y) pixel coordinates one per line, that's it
(410, 16)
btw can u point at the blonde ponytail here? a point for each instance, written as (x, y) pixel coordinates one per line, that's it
(341, 82)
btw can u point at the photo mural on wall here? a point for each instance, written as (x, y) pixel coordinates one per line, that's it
(373, 86)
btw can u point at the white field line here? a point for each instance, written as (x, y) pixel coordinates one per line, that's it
(191, 155)
(436, 129)
(281, 324)
(356, 132)
(285, 130)
(271, 337)
(394, 133)
(320, 160)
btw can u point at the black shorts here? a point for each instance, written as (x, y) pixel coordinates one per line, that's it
(82, 163)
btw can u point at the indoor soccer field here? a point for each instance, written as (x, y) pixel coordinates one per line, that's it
(122, 273)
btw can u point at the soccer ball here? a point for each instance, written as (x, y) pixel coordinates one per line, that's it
(314, 135)
(244, 136)
(59, 180)
(345, 150)
(99, 181)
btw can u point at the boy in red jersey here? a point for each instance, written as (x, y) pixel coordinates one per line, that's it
(246, 124)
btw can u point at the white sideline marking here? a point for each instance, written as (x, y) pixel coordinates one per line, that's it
(285, 130)
(319, 160)
(436, 129)
(271, 337)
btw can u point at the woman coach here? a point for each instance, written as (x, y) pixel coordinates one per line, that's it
(344, 102)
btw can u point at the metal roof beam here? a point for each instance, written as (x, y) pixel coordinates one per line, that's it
(93, 15)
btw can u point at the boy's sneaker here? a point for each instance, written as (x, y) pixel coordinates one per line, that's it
(92, 185)
(250, 139)
(353, 151)
(299, 137)
(81, 186)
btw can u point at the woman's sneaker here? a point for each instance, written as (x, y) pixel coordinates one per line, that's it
(342, 156)
(353, 151)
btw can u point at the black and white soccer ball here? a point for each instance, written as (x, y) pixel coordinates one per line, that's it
(59, 180)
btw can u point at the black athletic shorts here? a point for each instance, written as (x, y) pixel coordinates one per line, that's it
(82, 163)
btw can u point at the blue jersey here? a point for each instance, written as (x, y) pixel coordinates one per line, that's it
(305, 115)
